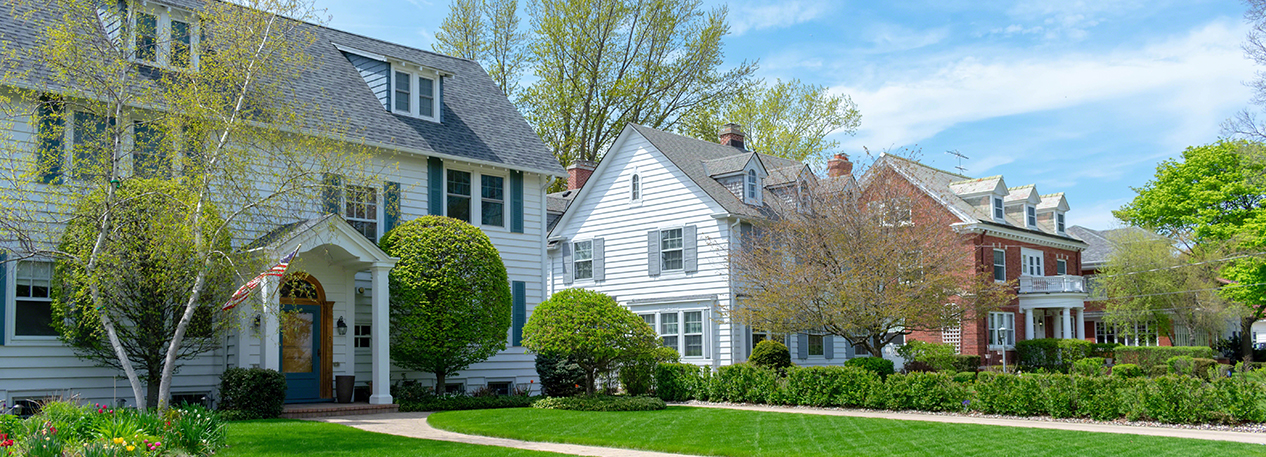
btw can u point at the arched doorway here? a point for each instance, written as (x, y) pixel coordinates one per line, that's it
(306, 339)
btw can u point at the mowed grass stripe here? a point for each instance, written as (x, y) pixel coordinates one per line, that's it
(707, 431)
(280, 437)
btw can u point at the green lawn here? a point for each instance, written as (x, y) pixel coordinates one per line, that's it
(292, 437)
(749, 433)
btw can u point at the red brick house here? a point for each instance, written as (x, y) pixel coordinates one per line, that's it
(1020, 235)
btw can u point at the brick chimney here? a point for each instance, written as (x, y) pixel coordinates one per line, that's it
(732, 135)
(579, 172)
(839, 166)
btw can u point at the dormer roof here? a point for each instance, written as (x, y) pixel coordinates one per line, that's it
(1053, 202)
(1026, 194)
(735, 164)
(787, 175)
(979, 186)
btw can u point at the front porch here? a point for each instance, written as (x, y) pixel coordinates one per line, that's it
(1053, 306)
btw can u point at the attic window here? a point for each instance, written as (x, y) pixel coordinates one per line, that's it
(751, 185)
(1030, 216)
(415, 93)
(998, 213)
(1059, 223)
(164, 38)
(636, 188)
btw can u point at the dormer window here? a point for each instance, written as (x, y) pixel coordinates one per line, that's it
(147, 37)
(416, 93)
(165, 38)
(1059, 223)
(998, 213)
(751, 185)
(1030, 216)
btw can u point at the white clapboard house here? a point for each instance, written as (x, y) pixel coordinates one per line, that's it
(452, 145)
(653, 223)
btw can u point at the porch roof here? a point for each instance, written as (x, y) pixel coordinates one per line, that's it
(328, 235)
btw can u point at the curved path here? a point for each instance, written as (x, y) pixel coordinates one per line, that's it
(414, 425)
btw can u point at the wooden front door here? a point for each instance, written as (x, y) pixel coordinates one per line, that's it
(306, 340)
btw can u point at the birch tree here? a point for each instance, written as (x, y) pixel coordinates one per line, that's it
(867, 264)
(120, 91)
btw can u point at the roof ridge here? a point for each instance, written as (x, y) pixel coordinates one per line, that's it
(924, 165)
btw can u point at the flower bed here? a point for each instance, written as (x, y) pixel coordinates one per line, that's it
(66, 429)
(1169, 399)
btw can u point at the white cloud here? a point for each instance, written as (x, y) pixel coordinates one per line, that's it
(1069, 18)
(744, 18)
(1098, 216)
(1191, 77)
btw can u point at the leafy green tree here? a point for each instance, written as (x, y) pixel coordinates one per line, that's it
(785, 119)
(450, 296)
(144, 269)
(1214, 199)
(488, 32)
(590, 328)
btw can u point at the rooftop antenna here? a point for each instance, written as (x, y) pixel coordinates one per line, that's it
(961, 157)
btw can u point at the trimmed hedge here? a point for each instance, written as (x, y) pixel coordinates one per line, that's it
(1052, 354)
(878, 365)
(1148, 357)
(455, 402)
(601, 403)
(1169, 399)
(1089, 366)
(964, 362)
(252, 393)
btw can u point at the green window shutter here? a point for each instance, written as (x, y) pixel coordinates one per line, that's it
(4, 292)
(518, 316)
(516, 201)
(435, 186)
(331, 193)
(51, 122)
(391, 208)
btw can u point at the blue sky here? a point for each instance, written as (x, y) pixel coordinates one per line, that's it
(1080, 97)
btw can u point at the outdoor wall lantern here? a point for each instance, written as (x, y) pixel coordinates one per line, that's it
(257, 322)
(342, 326)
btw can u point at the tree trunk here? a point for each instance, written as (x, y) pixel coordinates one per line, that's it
(439, 383)
(151, 389)
(1246, 338)
(591, 377)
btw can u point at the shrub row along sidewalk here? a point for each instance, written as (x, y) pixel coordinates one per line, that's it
(1168, 399)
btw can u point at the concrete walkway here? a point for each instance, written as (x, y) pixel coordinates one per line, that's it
(1215, 435)
(414, 425)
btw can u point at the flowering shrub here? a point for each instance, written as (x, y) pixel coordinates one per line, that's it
(66, 429)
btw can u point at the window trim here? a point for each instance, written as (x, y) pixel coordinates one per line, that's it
(1061, 264)
(505, 201)
(1025, 265)
(1008, 319)
(470, 198)
(663, 266)
(576, 260)
(378, 209)
(163, 41)
(11, 319)
(416, 74)
(1003, 265)
(999, 210)
(657, 325)
(1030, 216)
(635, 188)
(1060, 223)
(821, 344)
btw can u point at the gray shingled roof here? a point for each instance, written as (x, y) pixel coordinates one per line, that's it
(1101, 242)
(479, 123)
(689, 155)
(556, 204)
(728, 164)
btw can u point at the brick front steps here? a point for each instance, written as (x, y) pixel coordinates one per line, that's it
(312, 410)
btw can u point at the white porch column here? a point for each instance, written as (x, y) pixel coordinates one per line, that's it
(381, 377)
(270, 331)
(1028, 324)
(1081, 323)
(1067, 331)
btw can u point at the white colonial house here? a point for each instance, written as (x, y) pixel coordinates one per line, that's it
(452, 145)
(652, 225)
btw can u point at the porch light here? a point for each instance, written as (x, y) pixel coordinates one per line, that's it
(341, 326)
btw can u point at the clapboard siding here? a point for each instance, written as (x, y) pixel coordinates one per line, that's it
(376, 74)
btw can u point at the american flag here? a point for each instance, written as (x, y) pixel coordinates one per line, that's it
(245, 291)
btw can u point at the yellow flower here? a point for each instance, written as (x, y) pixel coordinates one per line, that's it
(131, 448)
(118, 441)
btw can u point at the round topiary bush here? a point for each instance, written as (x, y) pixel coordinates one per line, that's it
(450, 296)
(770, 354)
(589, 328)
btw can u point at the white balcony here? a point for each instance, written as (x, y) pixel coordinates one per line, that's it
(1052, 284)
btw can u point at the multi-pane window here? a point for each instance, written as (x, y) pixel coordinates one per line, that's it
(493, 203)
(361, 210)
(582, 258)
(636, 188)
(426, 97)
(90, 148)
(999, 265)
(403, 84)
(1030, 216)
(33, 310)
(146, 37)
(1031, 263)
(751, 185)
(693, 334)
(670, 249)
(669, 330)
(362, 337)
(997, 208)
(458, 195)
(649, 319)
(816, 345)
(180, 44)
(1002, 329)
(1059, 222)
(148, 159)
(1141, 335)
(1061, 267)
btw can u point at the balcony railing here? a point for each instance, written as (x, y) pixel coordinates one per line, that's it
(1052, 284)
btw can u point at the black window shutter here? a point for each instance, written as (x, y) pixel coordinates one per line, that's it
(518, 316)
(828, 347)
(599, 261)
(51, 121)
(802, 346)
(331, 193)
(652, 252)
(435, 186)
(516, 201)
(391, 206)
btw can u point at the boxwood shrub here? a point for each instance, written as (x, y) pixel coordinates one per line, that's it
(745, 383)
(1126, 370)
(455, 402)
(252, 393)
(1089, 366)
(830, 386)
(878, 365)
(770, 354)
(924, 392)
(1177, 399)
(1052, 354)
(601, 403)
(682, 382)
(1148, 357)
